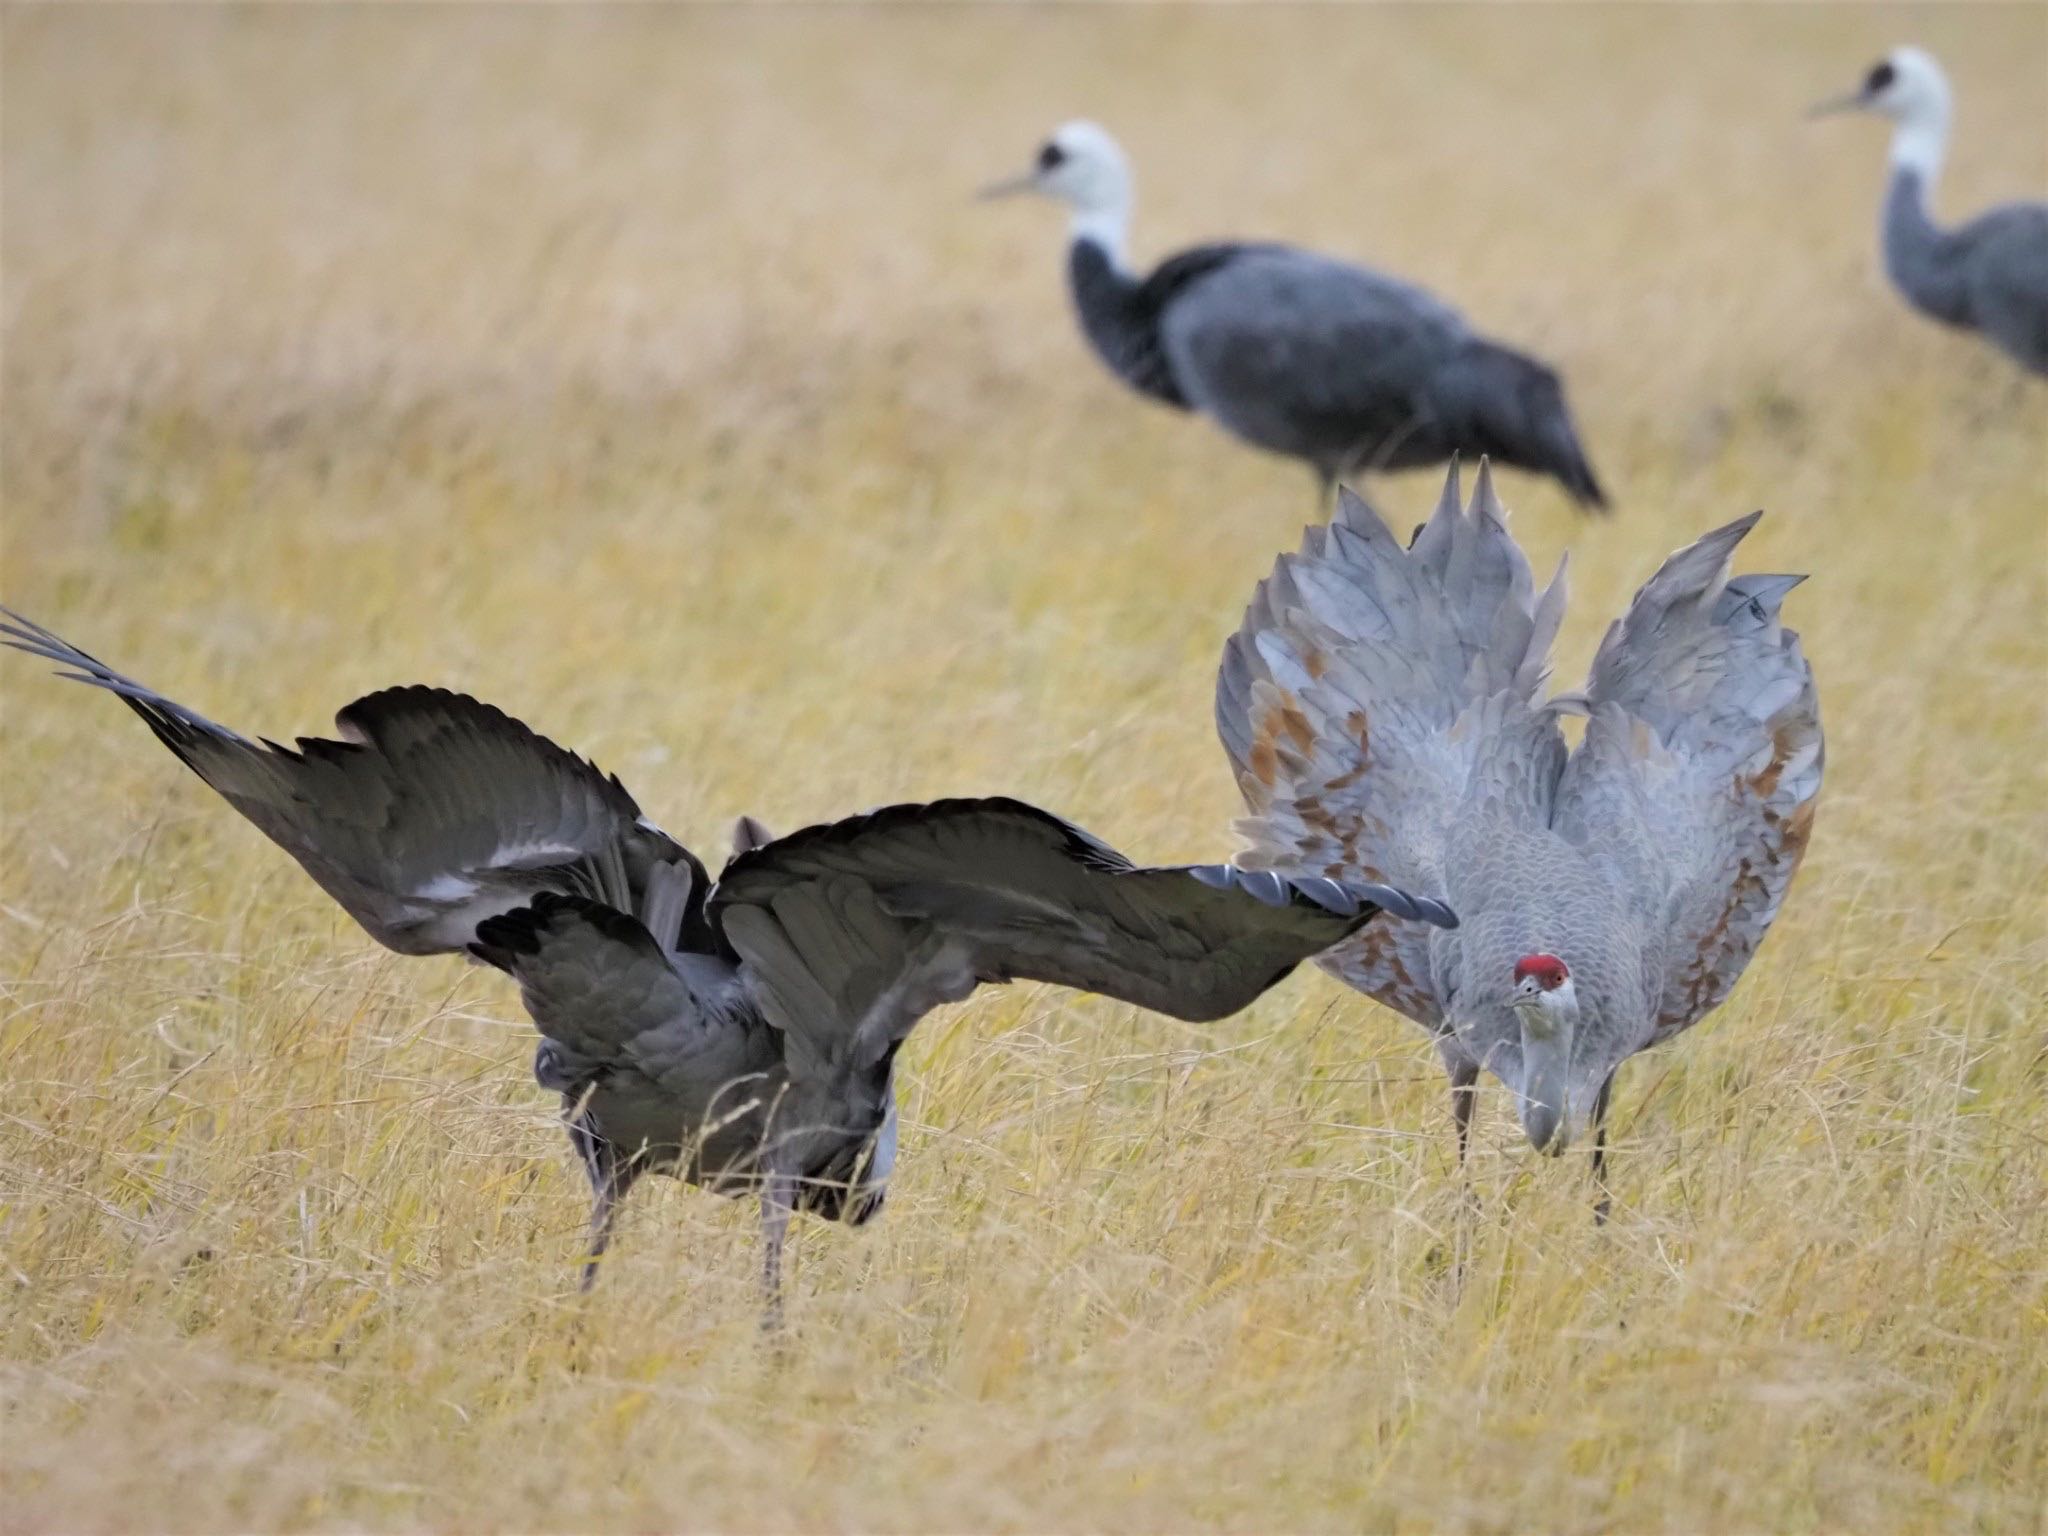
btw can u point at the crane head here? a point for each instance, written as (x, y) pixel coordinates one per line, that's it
(1538, 974)
(1906, 85)
(1082, 166)
(1547, 1004)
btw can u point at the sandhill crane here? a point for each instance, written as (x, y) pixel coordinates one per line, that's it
(1383, 710)
(740, 1035)
(1301, 354)
(1989, 275)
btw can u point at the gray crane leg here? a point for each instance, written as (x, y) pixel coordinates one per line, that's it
(1605, 1203)
(778, 1200)
(1464, 1075)
(610, 1177)
(604, 1208)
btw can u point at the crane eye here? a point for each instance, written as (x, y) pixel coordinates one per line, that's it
(1051, 157)
(1881, 77)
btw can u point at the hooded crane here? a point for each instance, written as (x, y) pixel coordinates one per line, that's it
(739, 1035)
(1383, 711)
(1989, 275)
(1297, 353)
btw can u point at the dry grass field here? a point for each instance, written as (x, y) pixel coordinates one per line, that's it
(652, 375)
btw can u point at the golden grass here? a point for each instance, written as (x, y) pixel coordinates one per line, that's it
(650, 375)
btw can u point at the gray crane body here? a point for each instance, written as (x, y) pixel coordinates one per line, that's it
(1348, 370)
(1989, 275)
(1383, 710)
(1310, 357)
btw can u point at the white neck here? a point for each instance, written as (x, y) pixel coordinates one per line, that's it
(1104, 227)
(1545, 1014)
(1919, 143)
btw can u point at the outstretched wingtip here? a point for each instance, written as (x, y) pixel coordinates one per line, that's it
(1452, 501)
(1751, 601)
(1354, 512)
(24, 634)
(1486, 503)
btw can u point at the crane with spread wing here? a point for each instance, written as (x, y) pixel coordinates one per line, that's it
(739, 1034)
(1384, 710)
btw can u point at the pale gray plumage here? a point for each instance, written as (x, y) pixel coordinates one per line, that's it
(740, 1035)
(1989, 275)
(1349, 370)
(1383, 711)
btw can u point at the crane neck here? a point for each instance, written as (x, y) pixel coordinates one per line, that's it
(1104, 227)
(1550, 1118)
(1920, 144)
(1552, 1015)
(1120, 316)
(1104, 230)
(1919, 255)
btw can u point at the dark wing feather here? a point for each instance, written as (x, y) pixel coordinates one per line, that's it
(433, 812)
(1490, 400)
(1178, 272)
(1121, 315)
(646, 1060)
(1308, 356)
(1356, 371)
(2005, 254)
(592, 977)
(849, 933)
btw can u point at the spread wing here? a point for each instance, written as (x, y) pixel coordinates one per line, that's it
(1701, 764)
(1373, 695)
(433, 811)
(849, 933)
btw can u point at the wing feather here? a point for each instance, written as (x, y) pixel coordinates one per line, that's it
(593, 978)
(431, 812)
(849, 933)
(1702, 764)
(1371, 692)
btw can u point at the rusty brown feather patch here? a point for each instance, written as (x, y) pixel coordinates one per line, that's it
(1799, 827)
(1284, 719)
(1357, 725)
(1764, 783)
(1295, 722)
(1371, 961)
(1265, 762)
(1784, 845)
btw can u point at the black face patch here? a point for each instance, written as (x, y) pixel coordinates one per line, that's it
(1880, 78)
(1051, 157)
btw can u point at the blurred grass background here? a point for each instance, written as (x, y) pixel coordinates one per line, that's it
(650, 374)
